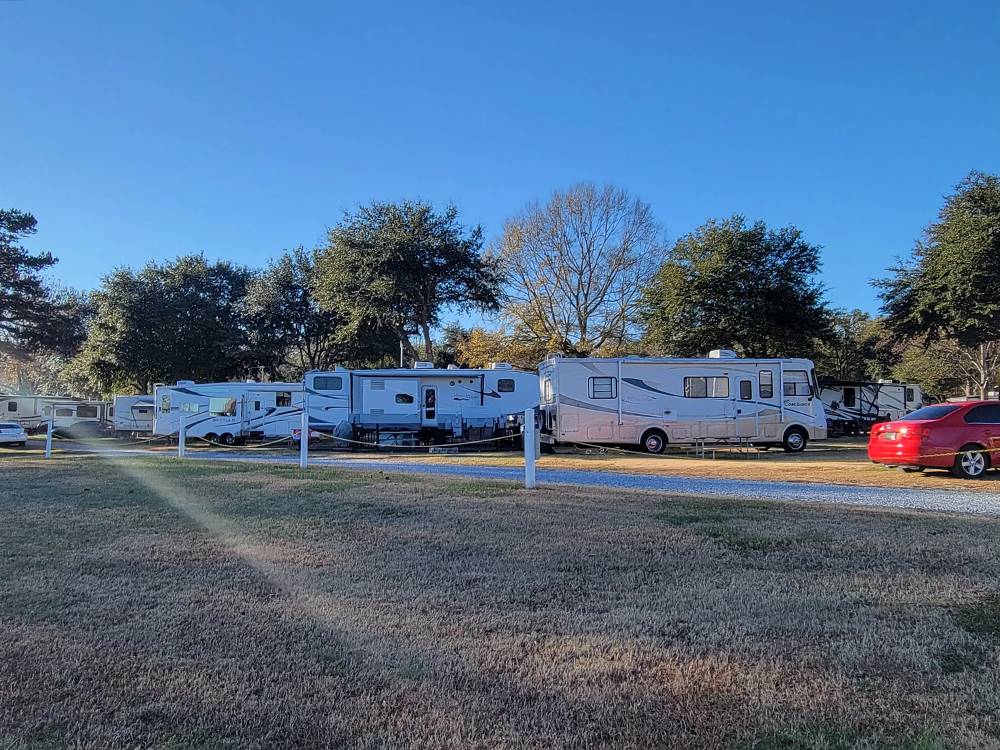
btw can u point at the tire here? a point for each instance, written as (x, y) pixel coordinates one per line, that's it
(654, 441)
(212, 437)
(972, 462)
(227, 439)
(795, 440)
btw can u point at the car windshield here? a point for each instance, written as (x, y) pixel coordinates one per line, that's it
(929, 412)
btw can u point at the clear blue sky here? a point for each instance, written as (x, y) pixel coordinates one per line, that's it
(139, 130)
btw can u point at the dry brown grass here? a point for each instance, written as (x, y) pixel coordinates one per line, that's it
(154, 603)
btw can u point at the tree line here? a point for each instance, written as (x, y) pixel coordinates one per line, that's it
(586, 273)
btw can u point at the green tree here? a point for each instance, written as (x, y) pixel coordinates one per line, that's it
(166, 322)
(731, 285)
(850, 350)
(948, 289)
(399, 266)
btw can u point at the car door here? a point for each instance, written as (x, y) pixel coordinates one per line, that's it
(984, 424)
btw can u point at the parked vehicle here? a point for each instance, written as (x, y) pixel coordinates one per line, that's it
(963, 437)
(852, 407)
(652, 402)
(229, 413)
(133, 416)
(70, 416)
(422, 404)
(11, 433)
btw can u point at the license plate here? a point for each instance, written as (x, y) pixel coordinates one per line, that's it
(888, 435)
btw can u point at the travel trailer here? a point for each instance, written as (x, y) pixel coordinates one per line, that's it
(852, 407)
(132, 416)
(69, 415)
(419, 405)
(653, 403)
(229, 413)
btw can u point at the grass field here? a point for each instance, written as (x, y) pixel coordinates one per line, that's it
(157, 603)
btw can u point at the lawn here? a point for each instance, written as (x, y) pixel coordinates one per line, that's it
(151, 602)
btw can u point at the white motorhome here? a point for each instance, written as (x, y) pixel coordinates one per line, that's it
(420, 404)
(229, 413)
(132, 416)
(69, 415)
(852, 407)
(656, 402)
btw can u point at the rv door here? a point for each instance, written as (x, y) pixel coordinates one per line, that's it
(428, 400)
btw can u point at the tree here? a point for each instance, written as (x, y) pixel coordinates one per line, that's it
(482, 347)
(31, 318)
(166, 322)
(850, 350)
(948, 289)
(398, 266)
(289, 333)
(741, 287)
(449, 350)
(576, 267)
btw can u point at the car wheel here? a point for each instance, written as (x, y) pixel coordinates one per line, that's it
(972, 462)
(654, 442)
(227, 439)
(795, 440)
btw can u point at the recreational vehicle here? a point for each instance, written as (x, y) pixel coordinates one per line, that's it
(422, 404)
(653, 403)
(852, 407)
(229, 413)
(132, 416)
(69, 415)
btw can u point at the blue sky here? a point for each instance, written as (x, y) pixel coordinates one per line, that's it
(144, 130)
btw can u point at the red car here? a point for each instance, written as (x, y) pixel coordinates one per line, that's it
(963, 437)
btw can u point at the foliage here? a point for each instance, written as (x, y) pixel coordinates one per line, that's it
(398, 266)
(448, 351)
(576, 267)
(178, 320)
(731, 285)
(482, 347)
(851, 349)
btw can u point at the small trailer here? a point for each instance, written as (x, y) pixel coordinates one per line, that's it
(228, 413)
(420, 405)
(70, 416)
(132, 416)
(656, 402)
(853, 406)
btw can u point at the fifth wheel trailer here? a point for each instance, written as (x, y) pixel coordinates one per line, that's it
(852, 406)
(69, 415)
(656, 402)
(132, 416)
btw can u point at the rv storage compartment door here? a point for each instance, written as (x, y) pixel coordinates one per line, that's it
(382, 397)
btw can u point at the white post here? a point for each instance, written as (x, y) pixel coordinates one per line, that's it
(304, 438)
(48, 438)
(182, 437)
(529, 449)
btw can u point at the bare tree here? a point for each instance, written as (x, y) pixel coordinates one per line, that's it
(576, 268)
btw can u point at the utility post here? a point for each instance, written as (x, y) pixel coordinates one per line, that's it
(182, 436)
(529, 448)
(304, 436)
(48, 437)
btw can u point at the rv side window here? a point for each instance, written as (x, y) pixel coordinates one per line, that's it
(283, 398)
(505, 385)
(143, 410)
(766, 382)
(85, 411)
(604, 387)
(706, 387)
(256, 405)
(64, 412)
(404, 398)
(222, 407)
(797, 383)
(12, 406)
(849, 398)
(746, 390)
(909, 396)
(328, 383)
(190, 407)
(165, 403)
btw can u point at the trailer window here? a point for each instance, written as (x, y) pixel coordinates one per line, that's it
(85, 411)
(222, 407)
(505, 385)
(12, 406)
(706, 387)
(766, 383)
(165, 403)
(603, 388)
(143, 410)
(64, 412)
(327, 383)
(283, 398)
(797, 383)
(910, 397)
(746, 390)
(404, 398)
(849, 397)
(190, 407)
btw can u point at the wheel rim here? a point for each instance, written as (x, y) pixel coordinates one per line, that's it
(974, 463)
(795, 440)
(653, 444)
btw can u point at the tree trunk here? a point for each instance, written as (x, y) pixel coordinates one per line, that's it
(428, 344)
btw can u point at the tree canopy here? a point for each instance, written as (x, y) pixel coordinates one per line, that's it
(737, 286)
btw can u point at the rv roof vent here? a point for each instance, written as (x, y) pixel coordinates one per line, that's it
(452, 367)
(501, 366)
(423, 365)
(185, 382)
(722, 354)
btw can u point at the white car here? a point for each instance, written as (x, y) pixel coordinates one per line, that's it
(11, 433)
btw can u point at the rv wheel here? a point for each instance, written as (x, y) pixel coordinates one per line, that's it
(227, 439)
(654, 442)
(795, 440)
(212, 437)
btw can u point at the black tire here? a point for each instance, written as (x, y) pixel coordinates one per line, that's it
(212, 437)
(795, 440)
(654, 441)
(227, 439)
(972, 462)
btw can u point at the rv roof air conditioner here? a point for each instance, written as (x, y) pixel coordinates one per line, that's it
(452, 367)
(423, 365)
(185, 382)
(501, 366)
(722, 354)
